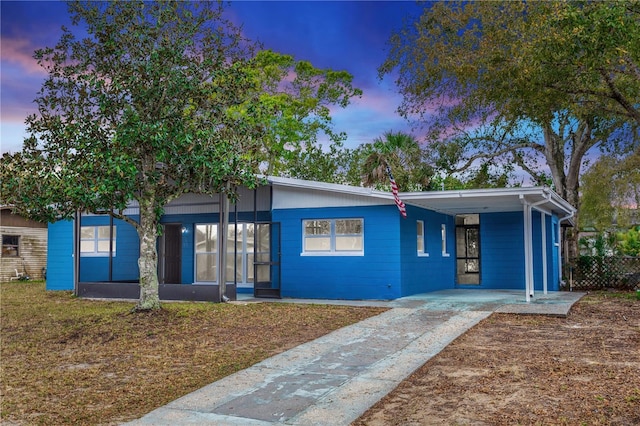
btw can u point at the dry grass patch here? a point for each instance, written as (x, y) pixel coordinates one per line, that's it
(74, 361)
(529, 370)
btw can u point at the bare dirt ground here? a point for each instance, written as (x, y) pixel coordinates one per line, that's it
(68, 361)
(530, 370)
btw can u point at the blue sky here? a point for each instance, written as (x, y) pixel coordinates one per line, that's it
(342, 35)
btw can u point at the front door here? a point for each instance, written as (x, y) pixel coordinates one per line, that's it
(266, 263)
(468, 249)
(171, 255)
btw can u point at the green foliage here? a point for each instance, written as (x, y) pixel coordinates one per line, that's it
(313, 162)
(629, 242)
(612, 205)
(535, 85)
(160, 99)
(400, 152)
(601, 245)
(509, 82)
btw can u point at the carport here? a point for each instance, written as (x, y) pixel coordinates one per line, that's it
(543, 200)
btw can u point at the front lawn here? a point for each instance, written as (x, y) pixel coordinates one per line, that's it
(71, 361)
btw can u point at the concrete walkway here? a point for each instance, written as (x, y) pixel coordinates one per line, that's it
(334, 379)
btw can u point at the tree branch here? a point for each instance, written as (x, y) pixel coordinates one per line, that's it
(494, 154)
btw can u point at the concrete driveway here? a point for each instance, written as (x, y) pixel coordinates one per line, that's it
(334, 379)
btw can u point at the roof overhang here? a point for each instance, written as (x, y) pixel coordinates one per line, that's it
(490, 201)
(453, 202)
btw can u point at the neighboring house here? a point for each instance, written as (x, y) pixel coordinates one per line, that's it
(307, 239)
(24, 246)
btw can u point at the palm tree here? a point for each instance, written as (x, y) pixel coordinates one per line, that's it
(401, 153)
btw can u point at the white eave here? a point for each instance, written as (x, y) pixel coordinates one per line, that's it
(449, 202)
(328, 187)
(490, 200)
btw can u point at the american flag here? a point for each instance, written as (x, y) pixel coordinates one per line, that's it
(394, 190)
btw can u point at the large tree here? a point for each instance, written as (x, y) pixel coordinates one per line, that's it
(536, 84)
(397, 151)
(610, 193)
(160, 99)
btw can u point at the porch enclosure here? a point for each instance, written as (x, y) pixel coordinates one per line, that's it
(187, 250)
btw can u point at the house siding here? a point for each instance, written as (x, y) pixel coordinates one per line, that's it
(32, 252)
(422, 274)
(375, 275)
(388, 268)
(125, 259)
(60, 256)
(501, 251)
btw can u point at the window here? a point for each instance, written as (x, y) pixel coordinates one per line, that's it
(444, 240)
(240, 244)
(468, 248)
(94, 240)
(420, 239)
(206, 252)
(333, 236)
(10, 245)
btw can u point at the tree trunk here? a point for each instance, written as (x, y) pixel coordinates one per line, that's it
(148, 260)
(568, 183)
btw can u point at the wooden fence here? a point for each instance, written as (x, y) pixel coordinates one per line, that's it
(601, 272)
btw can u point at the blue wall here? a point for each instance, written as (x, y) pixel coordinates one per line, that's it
(390, 267)
(422, 274)
(60, 255)
(502, 251)
(376, 275)
(125, 260)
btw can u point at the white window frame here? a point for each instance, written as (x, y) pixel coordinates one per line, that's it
(247, 259)
(332, 251)
(443, 230)
(421, 239)
(213, 253)
(96, 252)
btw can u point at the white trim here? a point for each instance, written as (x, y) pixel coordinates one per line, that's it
(96, 239)
(332, 253)
(443, 232)
(543, 222)
(332, 238)
(423, 252)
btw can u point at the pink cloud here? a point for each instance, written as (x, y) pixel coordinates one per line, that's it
(20, 51)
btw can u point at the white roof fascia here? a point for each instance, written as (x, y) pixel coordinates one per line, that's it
(545, 199)
(329, 187)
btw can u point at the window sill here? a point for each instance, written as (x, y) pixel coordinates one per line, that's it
(96, 255)
(333, 253)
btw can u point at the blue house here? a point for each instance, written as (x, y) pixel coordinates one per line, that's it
(304, 239)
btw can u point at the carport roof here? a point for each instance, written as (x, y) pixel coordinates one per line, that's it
(454, 201)
(490, 200)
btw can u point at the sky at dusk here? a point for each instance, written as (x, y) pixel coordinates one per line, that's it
(342, 35)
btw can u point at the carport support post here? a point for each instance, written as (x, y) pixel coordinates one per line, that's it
(528, 248)
(543, 226)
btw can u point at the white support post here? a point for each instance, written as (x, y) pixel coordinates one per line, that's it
(559, 248)
(527, 251)
(543, 223)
